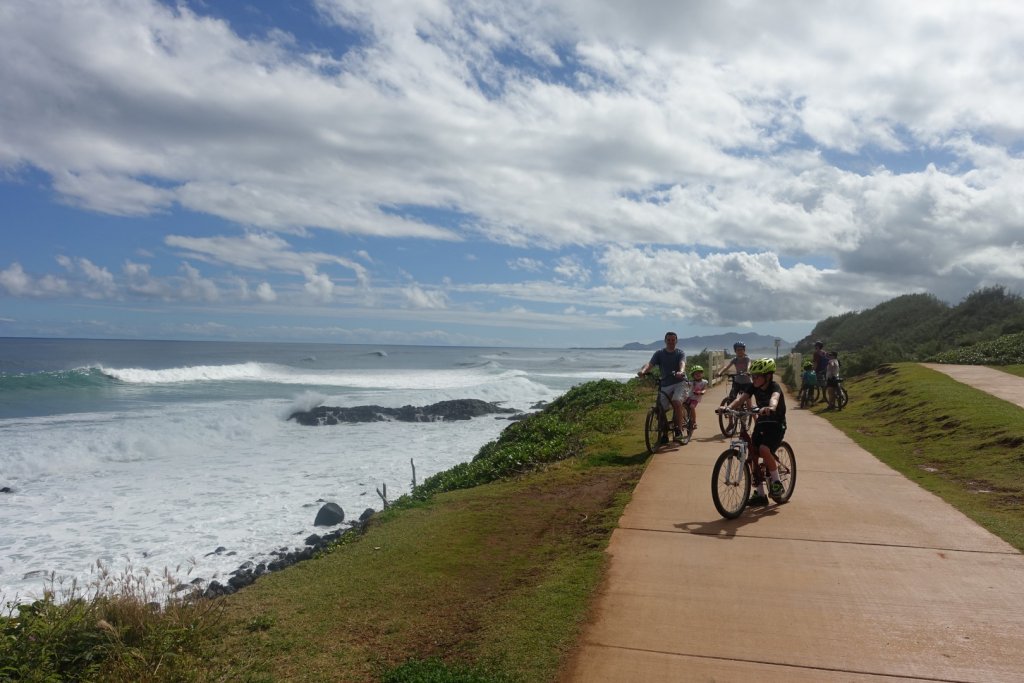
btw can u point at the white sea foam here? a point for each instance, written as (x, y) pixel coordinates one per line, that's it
(162, 488)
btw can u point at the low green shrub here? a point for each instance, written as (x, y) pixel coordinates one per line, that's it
(1006, 350)
(558, 432)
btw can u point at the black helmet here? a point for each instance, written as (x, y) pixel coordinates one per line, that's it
(738, 345)
(818, 344)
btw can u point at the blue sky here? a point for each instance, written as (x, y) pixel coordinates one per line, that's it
(541, 173)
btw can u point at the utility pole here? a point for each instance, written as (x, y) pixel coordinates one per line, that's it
(777, 342)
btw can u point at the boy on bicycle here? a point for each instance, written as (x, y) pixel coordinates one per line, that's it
(698, 385)
(771, 423)
(809, 380)
(741, 362)
(672, 363)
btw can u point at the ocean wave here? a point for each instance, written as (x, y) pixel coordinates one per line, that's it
(63, 379)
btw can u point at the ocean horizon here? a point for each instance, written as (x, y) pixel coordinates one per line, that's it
(152, 454)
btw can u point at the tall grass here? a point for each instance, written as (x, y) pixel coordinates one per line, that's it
(117, 627)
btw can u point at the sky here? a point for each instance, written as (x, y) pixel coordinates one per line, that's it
(559, 173)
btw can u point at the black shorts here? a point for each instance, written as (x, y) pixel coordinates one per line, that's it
(832, 382)
(768, 433)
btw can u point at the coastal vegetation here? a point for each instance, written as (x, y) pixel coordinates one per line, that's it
(917, 327)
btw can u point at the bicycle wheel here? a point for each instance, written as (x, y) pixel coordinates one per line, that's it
(805, 396)
(842, 398)
(726, 421)
(787, 472)
(652, 431)
(730, 484)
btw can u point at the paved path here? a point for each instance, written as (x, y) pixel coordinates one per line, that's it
(862, 576)
(996, 382)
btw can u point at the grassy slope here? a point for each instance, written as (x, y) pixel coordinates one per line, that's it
(954, 440)
(498, 575)
(1012, 369)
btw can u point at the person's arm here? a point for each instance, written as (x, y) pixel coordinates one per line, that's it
(732, 362)
(773, 403)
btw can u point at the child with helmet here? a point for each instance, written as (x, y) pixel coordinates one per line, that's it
(768, 396)
(809, 380)
(698, 385)
(741, 363)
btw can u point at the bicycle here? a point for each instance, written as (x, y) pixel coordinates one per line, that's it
(727, 422)
(842, 397)
(807, 395)
(656, 424)
(735, 469)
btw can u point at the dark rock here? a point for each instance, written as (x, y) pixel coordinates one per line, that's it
(313, 539)
(7, 489)
(329, 515)
(539, 405)
(458, 409)
(241, 580)
(367, 513)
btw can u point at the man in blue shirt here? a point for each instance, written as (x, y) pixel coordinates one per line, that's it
(672, 363)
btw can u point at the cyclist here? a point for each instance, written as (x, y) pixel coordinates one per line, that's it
(698, 385)
(672, 363)
(809, 379)
(820, 359)
(741, 378)
(771, 423)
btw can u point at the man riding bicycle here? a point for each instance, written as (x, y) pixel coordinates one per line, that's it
(672, 363)
(740, 362)
(768, 396)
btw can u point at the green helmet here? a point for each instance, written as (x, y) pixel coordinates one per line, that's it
(808, 365)
(762, 366)
(695, 369)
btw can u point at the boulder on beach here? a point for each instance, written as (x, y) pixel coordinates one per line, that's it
(458, 409)
(330, 514)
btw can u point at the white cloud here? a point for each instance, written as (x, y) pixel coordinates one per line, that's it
(318, 285)
(417, 297)
(524, 263)
(709, 144)
(265, 293)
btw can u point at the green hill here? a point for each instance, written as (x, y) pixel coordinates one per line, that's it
(917, 327)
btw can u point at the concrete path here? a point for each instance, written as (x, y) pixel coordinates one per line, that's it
(996, 382)
(862, 576)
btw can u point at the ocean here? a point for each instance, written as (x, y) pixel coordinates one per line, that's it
(150, 455)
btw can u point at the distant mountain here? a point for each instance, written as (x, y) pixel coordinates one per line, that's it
(754, 342)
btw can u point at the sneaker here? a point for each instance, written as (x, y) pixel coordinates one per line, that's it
(777, 489)
(757, 500)
(679, 435)
(693, 426)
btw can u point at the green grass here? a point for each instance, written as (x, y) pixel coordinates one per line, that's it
(956, 441)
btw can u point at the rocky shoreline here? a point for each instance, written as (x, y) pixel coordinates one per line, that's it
(330, 514)
(458, 409)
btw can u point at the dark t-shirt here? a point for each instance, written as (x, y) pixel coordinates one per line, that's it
(668, 362)
(763, 395)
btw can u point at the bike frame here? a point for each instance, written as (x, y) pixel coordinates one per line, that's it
(743, 444)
